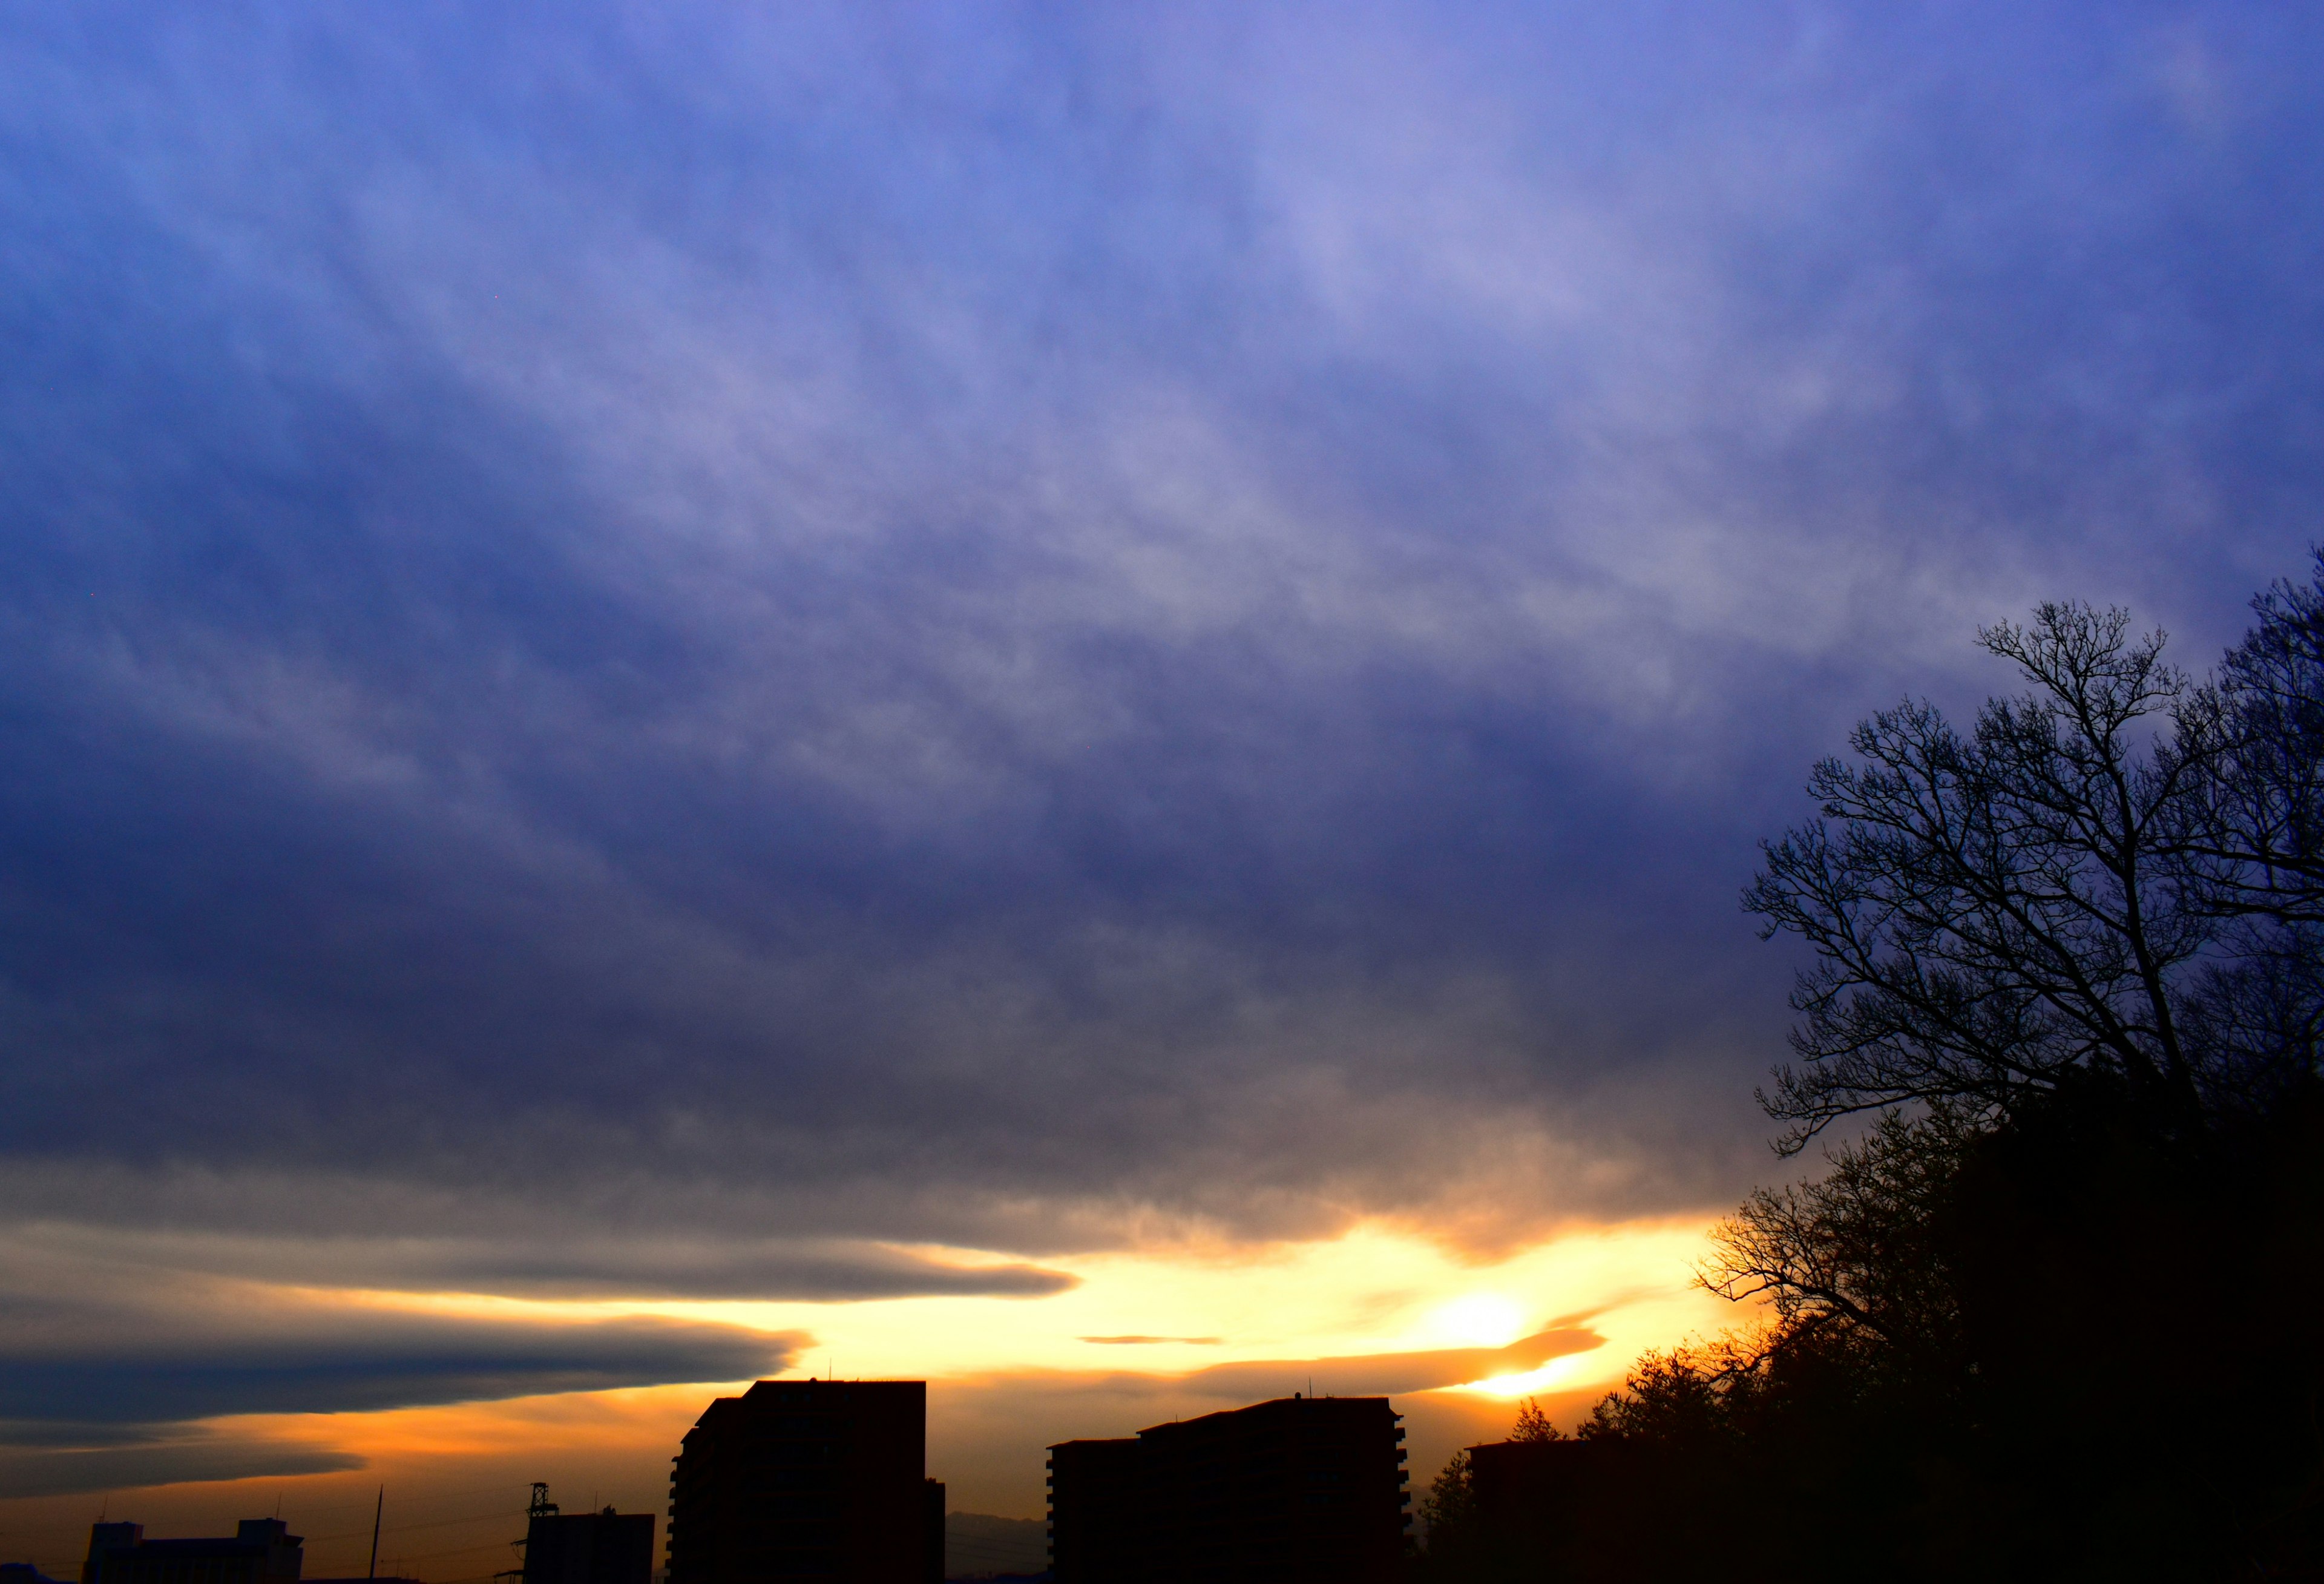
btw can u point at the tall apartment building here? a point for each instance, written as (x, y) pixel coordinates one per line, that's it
(1296, 1490)
(808, 1479)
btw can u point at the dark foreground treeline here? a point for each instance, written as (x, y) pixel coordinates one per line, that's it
(2053, 1310)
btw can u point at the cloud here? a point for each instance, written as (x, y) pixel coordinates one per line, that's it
(1139, 1342)
(619, 632)
(1382, 1374)
(106, 1355)
(563, 1261)
(353, 1361)
(824, 1273)
(46, 1471)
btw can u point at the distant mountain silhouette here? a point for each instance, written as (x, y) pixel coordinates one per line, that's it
(981, 1546)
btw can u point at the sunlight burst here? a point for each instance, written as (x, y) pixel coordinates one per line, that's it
(1485, 1320)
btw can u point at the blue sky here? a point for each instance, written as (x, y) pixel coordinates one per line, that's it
(679, 652)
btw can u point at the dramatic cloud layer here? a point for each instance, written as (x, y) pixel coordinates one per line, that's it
(37, 1471)
(575, 1265)
(708, 652)
(108, 1341)
(107, 1371)
(372, 1363)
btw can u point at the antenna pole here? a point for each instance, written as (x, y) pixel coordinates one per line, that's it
(378, 1510)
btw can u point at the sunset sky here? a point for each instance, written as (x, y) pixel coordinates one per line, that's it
(1068, 699)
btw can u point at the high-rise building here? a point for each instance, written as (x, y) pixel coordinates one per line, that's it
(262, 1551)
(1295, 1490)
(808, 1479)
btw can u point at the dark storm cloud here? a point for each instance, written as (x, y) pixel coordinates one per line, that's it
(978, 624)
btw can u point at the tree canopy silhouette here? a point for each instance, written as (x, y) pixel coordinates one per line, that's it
(2049, 1311)
(1990, 910)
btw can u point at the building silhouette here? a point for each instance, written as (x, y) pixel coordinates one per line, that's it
(808, 1479)
(1294, 1490)
(1533, 1495)
(1572, 1508)
(1098, 1497)
(586, 1547)
(263, 1551)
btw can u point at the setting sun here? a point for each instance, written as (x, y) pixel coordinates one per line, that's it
(1485, 1318)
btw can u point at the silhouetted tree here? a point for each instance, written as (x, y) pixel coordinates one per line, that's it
(2251, 836)
(1450, 1505)
(1989, 911)
(2257, 819)
(1533, 1424)
(1456, 1549)
(2051, 1315)
(1858, 1248)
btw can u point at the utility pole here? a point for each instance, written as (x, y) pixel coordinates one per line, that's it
(377, 1510)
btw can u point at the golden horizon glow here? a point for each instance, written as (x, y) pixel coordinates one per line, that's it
(1376, 1289)
(1559, 1375)
(1010, 1376)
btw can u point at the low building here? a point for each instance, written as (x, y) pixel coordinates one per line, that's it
(263, 1551)
(1295, 1490)
(1531, 1494)
(808, 1479)
(586, 1548)
(1564, 1508)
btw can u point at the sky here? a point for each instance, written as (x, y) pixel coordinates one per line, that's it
(1067, 699)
